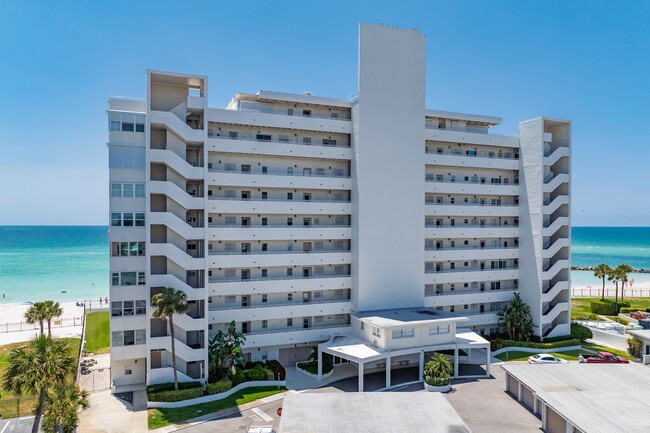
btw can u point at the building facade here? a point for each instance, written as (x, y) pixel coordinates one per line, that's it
(286, 213)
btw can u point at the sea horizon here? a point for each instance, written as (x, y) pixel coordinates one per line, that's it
(71, 262)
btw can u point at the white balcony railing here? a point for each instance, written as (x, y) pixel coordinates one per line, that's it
(467, 248)
(271, 226)
(470, 203)
(285, 277)
(473, 154)
(278, 200)
(471, 225)
(469, 269)
(286, 113)
(291, 140)
(329, 173)
(271, 305)
(471, 180)
(264, 253)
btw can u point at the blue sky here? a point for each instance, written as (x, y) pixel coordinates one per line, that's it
(61, 61)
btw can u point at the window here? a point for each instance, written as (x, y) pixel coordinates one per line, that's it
(116, 339)
(403, 333)
(140, 308)
(127, 219)
(444, 329)
(128, 308)
(116, 309)
(129, 338)
(115, 279)
(116, 219)
(139, 219)
(231, 299)
(139, 189)
(140, 336)
(334, 115)
(265, 195)
(376, 331)
(141, 277)
(231, 220)
(289, 196)
(434, 330)
(362, 325)
(306, 140)
(233, 135)
(290, 322)
(264, 272)
(127, 190)
(263, 137)
(265, 324)
(116, 190)
(264, 298)
(289, 272)
(329, 142)
(289, 297)
(127, 122)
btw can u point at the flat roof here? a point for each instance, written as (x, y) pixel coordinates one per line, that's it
(642, 333)
(394, 412)
(479, 118)
(395, 318)
(594, 398)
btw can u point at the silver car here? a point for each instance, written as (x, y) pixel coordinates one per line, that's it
(543, 358)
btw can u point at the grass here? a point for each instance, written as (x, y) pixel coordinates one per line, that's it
(312, 367)
(22, 405)
(98, 332)
(582, 306)
(619, 353)
(164, 416)
(517, 355)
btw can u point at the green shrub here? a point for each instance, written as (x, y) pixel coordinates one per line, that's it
(530, 345)
(437, 380)
(621, 321)
(171, 396)
(581, 332)
(607, 307)
(170, 386)
(589, 316)
(627, 310)
(279, 372)
(558, 338)
(312, 367)
(238, 377)
(218, 387)
(634, 347)
(257, 373)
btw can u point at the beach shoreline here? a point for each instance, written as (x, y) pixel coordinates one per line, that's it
(15, 312)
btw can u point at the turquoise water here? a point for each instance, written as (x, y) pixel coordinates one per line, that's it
(39, 262)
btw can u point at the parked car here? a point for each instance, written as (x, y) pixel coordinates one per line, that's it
(543, 358)
(602, 358)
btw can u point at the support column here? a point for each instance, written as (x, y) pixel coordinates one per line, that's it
(388, 373)
(469, 354)
(569, 427)
(544, 417)
(535, 405)
(420, 377)
(520, 394)
(360, 376)
(320, 364)
(488, 360)
(456, 362)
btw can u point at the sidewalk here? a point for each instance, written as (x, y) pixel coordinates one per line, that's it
(108, 414)
(17, 337)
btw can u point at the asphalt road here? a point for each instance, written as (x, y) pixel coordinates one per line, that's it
(17, 425)
(264, 415)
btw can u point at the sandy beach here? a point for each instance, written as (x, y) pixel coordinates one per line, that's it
(640, 289)
(15, 313)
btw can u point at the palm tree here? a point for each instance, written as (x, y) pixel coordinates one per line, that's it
(34, 368)
(167, 303)
(52, 310)
(36, 313)
(62, 406)
(624, 269)
(602, 271)
(225, 351)
(516, 320)
(615, 276)
(439, 365)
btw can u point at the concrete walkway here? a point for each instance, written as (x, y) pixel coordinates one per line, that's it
(20, 336)
(109, 414)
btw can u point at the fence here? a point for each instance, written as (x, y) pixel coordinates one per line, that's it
(610, 292)
(16, 407)
(24, 326)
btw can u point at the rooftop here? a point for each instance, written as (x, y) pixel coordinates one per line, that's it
(400, 317)
(594, 398)
(395, 412)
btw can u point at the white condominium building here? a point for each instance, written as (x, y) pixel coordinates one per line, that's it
(287, 213)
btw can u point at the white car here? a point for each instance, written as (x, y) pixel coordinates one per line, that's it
(542, 358)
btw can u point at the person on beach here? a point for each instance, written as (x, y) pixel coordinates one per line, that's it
(100, 302)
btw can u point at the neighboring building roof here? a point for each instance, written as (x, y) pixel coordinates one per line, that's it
(594, 398)
(395, 412)
(644, 334)
(268, 96)
(396, 318)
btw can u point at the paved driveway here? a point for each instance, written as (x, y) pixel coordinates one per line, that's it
(17, 425)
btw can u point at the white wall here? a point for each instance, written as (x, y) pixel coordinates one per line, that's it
(388, 169)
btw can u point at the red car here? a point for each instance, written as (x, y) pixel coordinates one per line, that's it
(602, 358)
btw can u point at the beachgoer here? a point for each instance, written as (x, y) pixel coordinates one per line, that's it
(106, 300)
(100, 302)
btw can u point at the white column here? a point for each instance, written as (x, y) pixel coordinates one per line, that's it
(469, 354)
(535, 405)
(456, 362)
(361, 377)
(520, 394)
(388, 372)
(488, 360)
(569, 427)
(544, 419)
(320, 364)
(421, 367)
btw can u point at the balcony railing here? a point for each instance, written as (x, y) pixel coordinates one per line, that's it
(473, 154)
(470, 129)
(262, 253)
(270, 305)
(470, 203)
(283, 173)
(467, 248)
(475, 291)
(296, 114)
(272, 226)
(471, 180)
(278, 331)
(286, 277)
(278, 200)
(471, 225)
(291, 140)
(469, 269)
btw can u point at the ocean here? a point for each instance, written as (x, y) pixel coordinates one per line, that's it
(42, 262)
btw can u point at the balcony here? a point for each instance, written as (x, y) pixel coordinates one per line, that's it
(474, 185)
(224, 259)
(237, 286)
(480, 136)
(469, 275)
(327, 179)
(479, 319)
(280, 311)
(477, 159)
(476, 253)
(468, 297)
(280, 119)
(279, 206)
(472, 230)
(294, 335)
(473, 208)
(278, 232)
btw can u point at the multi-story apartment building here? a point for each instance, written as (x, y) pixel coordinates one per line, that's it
(288, 212)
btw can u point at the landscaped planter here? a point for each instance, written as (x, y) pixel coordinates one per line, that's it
(313, 376)
(433, 388)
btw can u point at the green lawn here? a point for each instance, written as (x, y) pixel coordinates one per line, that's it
(165, 416)
(98, 332)
(619, 353)
(516, 355)
(21, 406)
(582, 306)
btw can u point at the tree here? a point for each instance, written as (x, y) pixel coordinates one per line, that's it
(602, 271)
(51, 310)
(225, 351)
(62, 405)
(37, 313)
(438, 370)
(167, 303)
(516, 320)
(624, 270)
(615, 276)
(36, 367)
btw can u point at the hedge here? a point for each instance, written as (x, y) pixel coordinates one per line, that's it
(629, 310)
(607, 307)
(559, 338)
(218, 387)
(580, 332)
(171, 396)
(312, 367)
(170, 386)
(530, 345)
